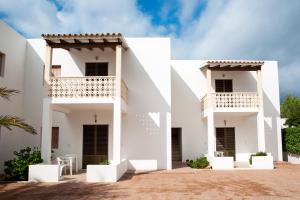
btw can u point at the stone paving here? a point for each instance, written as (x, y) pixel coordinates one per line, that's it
(281, 183)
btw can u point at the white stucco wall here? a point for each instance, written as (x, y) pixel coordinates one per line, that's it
(189, 86)
(73, 62)
(153, 80)
(14, 47)
(71, 130)
(146, 125)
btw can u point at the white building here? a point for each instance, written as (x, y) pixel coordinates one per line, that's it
(104, 96)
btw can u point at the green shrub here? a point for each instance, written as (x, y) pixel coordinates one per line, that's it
(199, 163)
(17, 169)
(292, 140)
(105, 162)
(257, 154)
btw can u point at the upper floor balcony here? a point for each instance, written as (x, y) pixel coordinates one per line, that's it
(87, 68)
(231, 100)
(86, 87)
(231, 88)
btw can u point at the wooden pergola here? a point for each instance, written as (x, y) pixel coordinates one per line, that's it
(87, 41)
(232, 65)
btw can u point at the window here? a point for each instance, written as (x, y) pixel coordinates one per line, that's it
(55, 137)
(56, 70)
(223, 85)
(2, 64)
(96, 69)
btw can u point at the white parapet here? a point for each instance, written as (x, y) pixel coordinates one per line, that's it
(262, 162)
(222, 163)
(44, 173)
(106, 173)
(294, 159)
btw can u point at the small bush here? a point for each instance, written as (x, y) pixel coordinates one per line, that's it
(199, 163)
(105, 162)
(17, 169)
(292, 140)
(257, 154)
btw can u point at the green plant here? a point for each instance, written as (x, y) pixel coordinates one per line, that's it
(292, 140)
(105, 162)
(8, 121)
(17, 169)
(260, 153)
(198, 163)
(290, 109)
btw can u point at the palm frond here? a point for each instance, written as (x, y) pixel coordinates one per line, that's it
(9, 121)
(7, 93)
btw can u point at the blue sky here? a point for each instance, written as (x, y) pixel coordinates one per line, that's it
(199, 29)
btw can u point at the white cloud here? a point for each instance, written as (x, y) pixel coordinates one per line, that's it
(188, 9)
(34, 17)
(226, 29)
(267, 30)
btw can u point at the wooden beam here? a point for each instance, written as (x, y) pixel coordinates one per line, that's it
(63, 41)
(252, 68)
(77, 41)
(85, 45)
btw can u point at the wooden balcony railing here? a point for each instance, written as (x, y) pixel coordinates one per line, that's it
(85, 87)
(231, 100)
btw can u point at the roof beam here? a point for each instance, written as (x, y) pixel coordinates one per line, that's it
(84, 45)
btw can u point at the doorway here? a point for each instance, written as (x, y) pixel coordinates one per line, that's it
(95, 144)
(225, 141)
(96, 69)
(176, 144)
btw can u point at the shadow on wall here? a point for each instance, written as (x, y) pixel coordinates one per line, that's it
(145, 125)
(186, 113)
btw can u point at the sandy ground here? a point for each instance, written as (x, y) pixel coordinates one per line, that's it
(281, 183)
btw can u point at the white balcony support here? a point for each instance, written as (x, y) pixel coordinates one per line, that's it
(82, 87)
(260, 131)
(117, 108)
(260, 116)
(47, 69)
(210, 134)
(231, 100)
(46, 131)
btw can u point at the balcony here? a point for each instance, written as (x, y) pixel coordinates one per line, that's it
(231, 101)
(86, 87)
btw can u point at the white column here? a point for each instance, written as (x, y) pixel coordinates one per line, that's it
(46, 131)
(279, 138)
(210, 134)
(117, 108)
(260, 131)
(169, 141)
(48, 63)
(260, 116)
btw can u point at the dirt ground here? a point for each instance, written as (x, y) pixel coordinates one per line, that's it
(281, 183)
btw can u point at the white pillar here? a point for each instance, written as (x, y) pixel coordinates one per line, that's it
(210, 134)
(117, 108)
(169, 141)
(279, 138)
(260, 116)
(48, 63)
(260, 131)
(46, 131)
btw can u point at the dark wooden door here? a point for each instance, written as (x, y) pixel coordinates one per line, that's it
(176, 144)
(223, 85)
(225, 141)
(96, 69)
(95, 144)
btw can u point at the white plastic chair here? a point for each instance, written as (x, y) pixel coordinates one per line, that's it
(62, 165)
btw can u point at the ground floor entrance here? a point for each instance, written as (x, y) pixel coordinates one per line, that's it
(176, 144)
(225, 140)
(95, 144)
